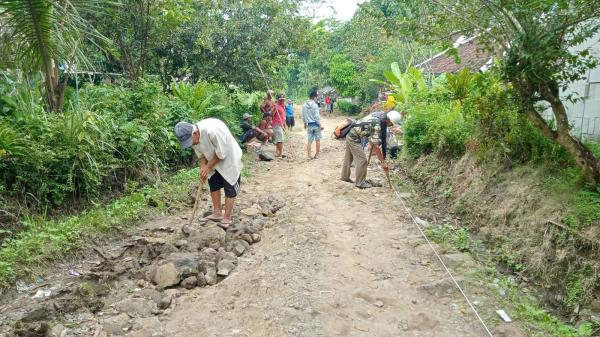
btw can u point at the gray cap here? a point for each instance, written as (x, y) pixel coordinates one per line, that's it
(246, 116)
(183, 131)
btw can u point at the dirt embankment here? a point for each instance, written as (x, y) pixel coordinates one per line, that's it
(519, 221)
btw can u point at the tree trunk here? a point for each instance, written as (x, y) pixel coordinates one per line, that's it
(582, 155)
(45, 56)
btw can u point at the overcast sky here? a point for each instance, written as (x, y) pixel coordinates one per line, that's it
(339, 9)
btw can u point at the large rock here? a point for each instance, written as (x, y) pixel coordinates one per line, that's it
(224, 267)
(209, 254)
(209, 270)
(166, 275)
(190, 282)
(238, 248)
(117, 325)
(39, 312)
(186, 263)
(136, 307)
(208, 236)
(457, 261)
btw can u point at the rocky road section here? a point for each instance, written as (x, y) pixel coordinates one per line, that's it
(309, 256)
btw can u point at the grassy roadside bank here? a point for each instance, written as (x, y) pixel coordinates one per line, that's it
(537, 271)
(45, 241)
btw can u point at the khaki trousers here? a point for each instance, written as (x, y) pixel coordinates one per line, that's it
(354, 152)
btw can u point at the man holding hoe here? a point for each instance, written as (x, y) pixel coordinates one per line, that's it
(220, 160)
(373, 128)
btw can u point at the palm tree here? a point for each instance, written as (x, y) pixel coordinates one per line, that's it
(46, 36)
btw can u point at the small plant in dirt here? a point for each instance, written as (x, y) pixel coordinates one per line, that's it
(440, 234)
(462, 240)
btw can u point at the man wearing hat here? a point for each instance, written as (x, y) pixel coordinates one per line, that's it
(250, 131)
(279, 124)
(372, 128)
(220, 160)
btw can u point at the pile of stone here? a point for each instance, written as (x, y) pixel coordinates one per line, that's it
(154, 264)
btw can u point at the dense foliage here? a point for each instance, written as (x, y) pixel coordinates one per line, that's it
(540, 46)
(106, 137)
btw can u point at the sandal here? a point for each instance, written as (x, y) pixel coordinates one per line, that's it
(224, 224)
(211, 218)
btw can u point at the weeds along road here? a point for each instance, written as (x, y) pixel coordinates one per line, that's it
(331, 261)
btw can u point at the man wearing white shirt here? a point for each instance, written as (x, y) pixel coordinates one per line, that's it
(220, 162)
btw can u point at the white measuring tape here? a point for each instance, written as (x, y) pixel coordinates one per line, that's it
(442, 263)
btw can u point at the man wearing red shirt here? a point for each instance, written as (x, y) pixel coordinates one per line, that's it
(279, 124)
(328, 103)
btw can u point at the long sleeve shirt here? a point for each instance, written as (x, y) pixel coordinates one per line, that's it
(311, 113)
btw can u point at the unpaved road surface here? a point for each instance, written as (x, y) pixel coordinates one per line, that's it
(333, 261)
(338, 262)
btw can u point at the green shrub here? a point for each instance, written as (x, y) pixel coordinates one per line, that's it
(348, 107)
(500, 128)
(438, 127)
(106, 137)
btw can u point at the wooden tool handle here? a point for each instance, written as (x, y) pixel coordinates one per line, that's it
(195, 203)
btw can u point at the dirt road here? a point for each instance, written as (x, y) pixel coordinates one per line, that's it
(338, 262)
(333, 261)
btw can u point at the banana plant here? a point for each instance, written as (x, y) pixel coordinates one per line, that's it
(406, 85)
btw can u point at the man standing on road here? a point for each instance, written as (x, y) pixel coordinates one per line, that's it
(374, 129)
(289, 115)
(312, 124)
(327, 102)
(279, 125)
(268, 106)
(220, 160)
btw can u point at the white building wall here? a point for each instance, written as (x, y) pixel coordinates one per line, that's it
(584, 115)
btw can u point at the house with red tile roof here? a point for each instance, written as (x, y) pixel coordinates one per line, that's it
(472, 56)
